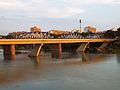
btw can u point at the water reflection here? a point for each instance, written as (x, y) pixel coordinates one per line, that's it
(83, 56)
(47, 66)
(118, 58)
(36, 60)
(56, 55)
(91, 58)
(68, 57)
(9, 57)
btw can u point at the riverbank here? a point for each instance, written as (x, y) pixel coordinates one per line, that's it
(113, 48)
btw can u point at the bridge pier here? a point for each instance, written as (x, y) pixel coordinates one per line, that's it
(84, 57)
(82, 47)
(102, 46)
(56, 50)
(35, 52)
(9, 52)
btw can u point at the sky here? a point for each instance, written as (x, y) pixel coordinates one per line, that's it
(20, 15)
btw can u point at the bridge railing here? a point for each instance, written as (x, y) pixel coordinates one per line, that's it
(51, 36)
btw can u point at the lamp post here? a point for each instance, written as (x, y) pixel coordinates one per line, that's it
(80, 25)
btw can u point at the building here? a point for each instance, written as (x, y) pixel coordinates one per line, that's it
(35, 29)
(114, 29)
(57, 32)
(90, 29)
(77, 30)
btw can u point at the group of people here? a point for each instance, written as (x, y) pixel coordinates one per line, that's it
(27, 35)
(1, 37)
(46, 35)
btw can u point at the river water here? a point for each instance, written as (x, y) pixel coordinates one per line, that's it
(69, 71)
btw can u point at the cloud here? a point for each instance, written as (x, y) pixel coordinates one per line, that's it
(57, 14)
(49, 8)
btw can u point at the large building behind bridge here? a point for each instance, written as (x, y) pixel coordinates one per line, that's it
(90, 29)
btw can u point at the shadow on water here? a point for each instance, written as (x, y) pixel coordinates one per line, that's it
(67, 57)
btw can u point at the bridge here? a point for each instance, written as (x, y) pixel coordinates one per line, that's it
(9, 44)
(48, 41)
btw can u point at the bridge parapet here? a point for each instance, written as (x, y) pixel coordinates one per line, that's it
(48, 41)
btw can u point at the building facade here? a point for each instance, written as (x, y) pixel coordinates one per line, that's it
(90, 29)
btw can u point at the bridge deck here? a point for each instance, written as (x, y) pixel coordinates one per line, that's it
(48, 41)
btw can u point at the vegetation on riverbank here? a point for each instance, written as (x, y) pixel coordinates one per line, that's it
(113, 48)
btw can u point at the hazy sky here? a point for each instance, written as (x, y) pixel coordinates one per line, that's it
(20, 15)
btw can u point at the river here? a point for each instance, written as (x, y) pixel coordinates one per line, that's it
(70, 71)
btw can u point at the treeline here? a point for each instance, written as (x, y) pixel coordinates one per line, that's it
(112, 34)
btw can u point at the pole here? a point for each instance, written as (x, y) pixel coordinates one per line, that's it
(80, 24)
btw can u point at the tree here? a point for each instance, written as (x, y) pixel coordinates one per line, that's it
(109, 34)
(118, 32)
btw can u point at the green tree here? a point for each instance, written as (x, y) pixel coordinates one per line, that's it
(118, 32)
(109, 34)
